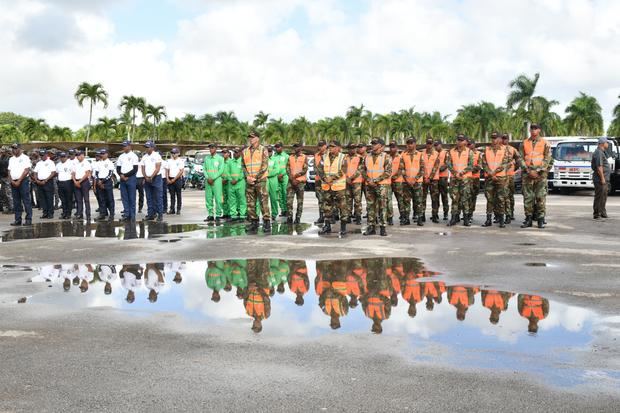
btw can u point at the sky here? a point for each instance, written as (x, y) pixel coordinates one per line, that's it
(293, 58)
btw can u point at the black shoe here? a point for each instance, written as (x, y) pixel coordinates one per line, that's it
(140, 211)
(149, 217)
(289, 220)
(208, 219)
(390, 221)
(27, 222)
(541, 223)
(78, 216)
(414, 218)
(283, 214)
(382, 232)
(370, 230)
(467, 220)
(297, 219)
(445, 216)
(253, 226)
(321, 219)
(274, 217)
(15, 223)
(528, 222)
(179, 212)
(171, 212)
(507, 220)
(111, 218)
(267, 226)
(327, 229)
(160, 218)
(495, 219)
(343, 228)
(124, 219)
(423, 217)
(44, 216)
(488, 222)
(604, 215)
(358, 220)
(454, 220)
(501, 222)
(435, 219)
(421, 221)
(102, 218)
(404, 222)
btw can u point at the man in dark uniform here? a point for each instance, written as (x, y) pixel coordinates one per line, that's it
(600, 176)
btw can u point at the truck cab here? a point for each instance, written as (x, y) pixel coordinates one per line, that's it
(572, 164)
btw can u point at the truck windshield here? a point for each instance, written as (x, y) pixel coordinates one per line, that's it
(200, 158)
(575, 151)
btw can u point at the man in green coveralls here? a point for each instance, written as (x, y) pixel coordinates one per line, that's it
(213, 169)
(281, 159)
(215, 275)
(237, 206)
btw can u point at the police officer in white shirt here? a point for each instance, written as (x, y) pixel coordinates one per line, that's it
(19, 169)
(164, 184)
(176, 168)
(44, 173)
(140, 187)
(131, 280)
(64, 169)
(126, 167)
(81, 175)
(151, 165)
(105, 185)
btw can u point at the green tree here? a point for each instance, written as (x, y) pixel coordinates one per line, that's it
(614, 127)
(10, 134)
(95, 94)
(36, 129)
(301, 130)
(260, 120)
(520, 98)
(156, 114)
(584, 116)
(131, 105)
(106, 128)
(59, 133)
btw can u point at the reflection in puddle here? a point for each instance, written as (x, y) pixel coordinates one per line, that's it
(458, 324)
(144, 230)
(536, 264)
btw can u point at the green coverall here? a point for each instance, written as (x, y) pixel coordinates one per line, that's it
(213, 169)
(237, 205)
(281, 161)
(215, 275)
(226, 189)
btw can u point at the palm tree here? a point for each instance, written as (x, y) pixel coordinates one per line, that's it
(130, 105)
(36, 129)
(157, 113)
(301, 130)
(584, 116)
(95, 94)
(260, 120)
(59, 133)
(106, 128)
(521, 95)
(614, 127)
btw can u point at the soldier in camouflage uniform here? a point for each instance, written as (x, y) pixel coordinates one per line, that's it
(397, 187)
(514, 164)
(443, 184)
(318, 191)
(460, 162)
(431, 181)
(377, 172)
(255, 164)
(475, 178)
(6, 194)
(412, 169)
(362, 152)
(296, 169)
(495, 162)
(535, 153)
(354, 185)
(332, 169)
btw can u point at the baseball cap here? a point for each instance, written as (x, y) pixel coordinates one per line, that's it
(296, 145)
(212, 145)
(411, 140)
(62, 154)
(429, 141)
(534, 126)
(334, 143)
(377, 141)
(278, 145)
(126, 143)
(71, 151)
(602, 139)
(460, 137)
(253, 134)
(16, 146)
(321, 143)
(103, 151)
(175, 150)
(42, 151)
(149, 144)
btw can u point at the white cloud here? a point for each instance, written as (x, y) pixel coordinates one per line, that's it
(246, 56)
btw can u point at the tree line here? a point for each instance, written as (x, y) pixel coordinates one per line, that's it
(141, 120)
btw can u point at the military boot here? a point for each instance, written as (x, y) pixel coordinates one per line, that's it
(267, 226)
(507, 219)
(423, 217)
(370, 230)
(445, 216)
(382, 231)
(421, 221)
(253, 226)
(390, 221)
(343, 228)
(528, 222)
(541, 223)
(321, 219)
(297, 219)
(501, 221)
(495, 218)
(467, 220)
(454, 220)
(289, 219)
(327, 229)
(435, 218)
(358, 220)
(488, 222)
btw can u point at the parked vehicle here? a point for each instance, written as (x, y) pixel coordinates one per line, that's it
(310, 175)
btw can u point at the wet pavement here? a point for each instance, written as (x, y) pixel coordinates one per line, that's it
(473, 324)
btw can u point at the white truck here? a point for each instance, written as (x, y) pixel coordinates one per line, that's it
(572, 168)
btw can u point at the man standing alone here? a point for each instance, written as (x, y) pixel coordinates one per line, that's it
(600, 176)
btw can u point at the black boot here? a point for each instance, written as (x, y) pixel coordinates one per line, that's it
(423, 218)
(358, 220)
(528, 222)
(336, 217)
(435, 218)
(541, 223)
(297, 219)
(501, 222)
(421, 221)
(267, 226)
(253, 226)
(289, 219)
(343, 228)
(467, 220)
(488, 222)
(496, 218)
(445, 216)
(321, 219)
(507, 219)
(382, 231)
(390, 221)
(370, 230)
(454, 220)
(327, 228)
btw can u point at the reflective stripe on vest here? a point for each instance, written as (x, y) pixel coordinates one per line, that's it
(353, 163)
(253, 161)
(460, 160)
(533, 306)
(395, 169)
(376, 168)
(495, 159)
(442, 162)
(429, 163)
(255, 305)
(534, 154)
(298, 284)
(476, 163)
(412, 167)
(335, 306)
(332, 169)
(375, 308)
(296, 164)
(412, 290)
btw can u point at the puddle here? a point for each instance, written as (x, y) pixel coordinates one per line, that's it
(525, 244)
(460, 325)
(536, 264)
(124, 231)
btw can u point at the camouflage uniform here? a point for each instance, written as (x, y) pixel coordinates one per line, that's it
(444, 187)
(293, 191)
(535, 189)
(354, 191)
(257, 191)
(413, 192)
(496, 190)
(334, 200)
(475, 181)
(377, 195)
(6, 194)
(431, 186)
(514, 163)
(397, 189)
(318, 191)
(460, 189)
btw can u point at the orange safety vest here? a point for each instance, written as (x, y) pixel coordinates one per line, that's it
(442, 162)
(393, 280)
(429, 163)
(476, 162)
(376, 168)
(253, 161)
(432, 290)
(317, 160)
(296, 164)
(532, 306)
(332, 169)
(375, 308)
(255, 305)
(493, 299)
(395, 169)
(297, 284)
(460, 161)
(534, 153)
(335, 304)
(412, 290)
(353, 285)
(495, 159)
(458, 295)
(412, 167)
(511, 169)
(353, 163)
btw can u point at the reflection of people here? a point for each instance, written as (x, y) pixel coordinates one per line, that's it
(131, 279)
(377, 300)
(256, 297)
(278, 274)
(331, 287)
(534, 308)
(238, 276)
(298, 281)
(433, 291)
(154, 280)
(496, 301)
(215, 276)
(462, 298)
(66, 273)
(106, 273)
(411, 289)
(356, 282)
(175, 268)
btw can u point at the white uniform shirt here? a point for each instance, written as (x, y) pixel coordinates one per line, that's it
(80, 169)
(150, 161)
(163, 171)
(44, 169)
(107, 273)
(174, 166)
(152, 280)
(73, 161)
(126, 161)
(130, 282)
(17, 165)
(139, 174)
(64, 170)
(105, 169)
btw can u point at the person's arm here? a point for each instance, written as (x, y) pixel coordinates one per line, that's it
(476, 168)
(357, 173)
(246, 172)
(397, 173)
(343, 169)
(133, 171)
(289, 173)
(599, 167)
(449, 164)
(157, 169)
(422, 167)
(304, 168)
(181, 166)
(435, 167)
(320, 170)
(273, 172)
(220, 168)
(470, 162)
(546, 158)
(443, 167)
(522, 157)
(364, 170)
(401, 166)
